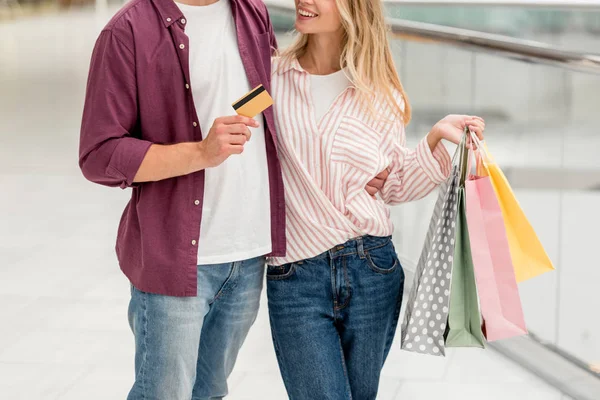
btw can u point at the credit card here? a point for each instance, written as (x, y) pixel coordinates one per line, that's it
(253, 103)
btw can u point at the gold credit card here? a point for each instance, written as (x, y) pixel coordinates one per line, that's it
(253, 103)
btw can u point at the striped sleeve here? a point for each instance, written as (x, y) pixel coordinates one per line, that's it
(437, 164)
(414, 173)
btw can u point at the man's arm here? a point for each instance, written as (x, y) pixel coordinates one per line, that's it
(108, 153)
(227, 136)
(111, 156)
(163, 162)
(377, 183)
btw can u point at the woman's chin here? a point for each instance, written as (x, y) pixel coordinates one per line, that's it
(305, 27)
(300, 27)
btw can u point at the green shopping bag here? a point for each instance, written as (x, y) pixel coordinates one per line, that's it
(464, 318)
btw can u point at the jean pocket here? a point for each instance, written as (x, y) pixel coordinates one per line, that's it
(279, 272)
(383, 260)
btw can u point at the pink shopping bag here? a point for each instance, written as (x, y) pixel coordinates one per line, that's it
(499, 298)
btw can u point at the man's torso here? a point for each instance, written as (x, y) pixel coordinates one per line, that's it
(236, 214)
(159, 232)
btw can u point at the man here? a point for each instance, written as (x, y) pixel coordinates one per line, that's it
(202, 215)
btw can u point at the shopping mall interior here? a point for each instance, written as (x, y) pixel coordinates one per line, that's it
(530, 68)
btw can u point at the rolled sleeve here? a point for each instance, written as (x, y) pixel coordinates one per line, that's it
(414, 173)
(392, 190)
(126, 159)
(111, 149)
(437, 165)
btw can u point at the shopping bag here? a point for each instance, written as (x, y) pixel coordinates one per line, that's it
(528, 255)
(499, 298)
(427, 305)
(464, 317)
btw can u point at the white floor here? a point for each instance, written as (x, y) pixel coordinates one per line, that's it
(63, 301)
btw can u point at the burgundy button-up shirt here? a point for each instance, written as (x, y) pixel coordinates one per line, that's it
(139, 93)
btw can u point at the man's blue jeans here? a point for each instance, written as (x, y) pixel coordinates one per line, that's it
(333, 319)
(186, 347)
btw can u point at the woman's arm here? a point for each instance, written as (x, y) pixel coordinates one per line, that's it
(452, 127)
(416, 173)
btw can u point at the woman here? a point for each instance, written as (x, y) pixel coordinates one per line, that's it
(334, 300)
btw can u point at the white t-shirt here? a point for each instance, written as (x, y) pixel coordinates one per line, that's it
(236, 218)
(325, 89)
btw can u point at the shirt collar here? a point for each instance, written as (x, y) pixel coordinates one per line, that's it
(286, 66)
(168, 11)
(289, 65)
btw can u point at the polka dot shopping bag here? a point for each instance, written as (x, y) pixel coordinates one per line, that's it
(425, 324)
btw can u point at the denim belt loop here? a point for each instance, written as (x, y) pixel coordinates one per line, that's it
(360, 247)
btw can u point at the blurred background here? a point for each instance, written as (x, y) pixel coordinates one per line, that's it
(530, 68)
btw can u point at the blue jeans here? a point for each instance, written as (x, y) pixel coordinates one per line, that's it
(333, 319)
(186, 346)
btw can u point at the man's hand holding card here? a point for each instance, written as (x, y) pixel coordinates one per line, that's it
(253, 103)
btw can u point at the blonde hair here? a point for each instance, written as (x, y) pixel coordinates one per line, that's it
(366, 55)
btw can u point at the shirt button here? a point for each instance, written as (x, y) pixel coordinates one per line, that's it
(187, 86)
(197, 202)
(194, 242)
(195, 124)
(168, 19)
(183, 20)
(182, 46)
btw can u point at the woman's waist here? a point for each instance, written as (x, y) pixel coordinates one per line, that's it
(346, 211)
(353, 246)
(307, 238)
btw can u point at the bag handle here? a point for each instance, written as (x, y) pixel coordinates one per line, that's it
(457, 153)
(464, 157)
(481, 148)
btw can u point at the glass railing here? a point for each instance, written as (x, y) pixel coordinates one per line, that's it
(542, 129)
(576, 28)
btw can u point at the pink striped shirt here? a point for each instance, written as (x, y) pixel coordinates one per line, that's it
(326, 165)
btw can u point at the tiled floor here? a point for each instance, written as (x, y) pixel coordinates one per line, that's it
(63, 301)
(79, 347)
